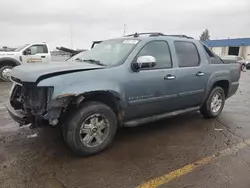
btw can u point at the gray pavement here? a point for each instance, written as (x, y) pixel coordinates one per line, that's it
(138, 154)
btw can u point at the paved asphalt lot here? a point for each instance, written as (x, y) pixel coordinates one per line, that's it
(182, 152)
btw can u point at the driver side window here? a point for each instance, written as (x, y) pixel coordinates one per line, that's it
(160, 51)
(37, 49)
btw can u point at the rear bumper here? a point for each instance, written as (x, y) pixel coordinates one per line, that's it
(16, 115)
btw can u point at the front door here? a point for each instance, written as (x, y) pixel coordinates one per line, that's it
(191, 75)
(36, 54)
(152, 91)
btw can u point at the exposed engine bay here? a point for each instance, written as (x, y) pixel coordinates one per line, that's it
(32, 102)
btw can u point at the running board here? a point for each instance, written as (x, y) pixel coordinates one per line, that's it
(154, 118)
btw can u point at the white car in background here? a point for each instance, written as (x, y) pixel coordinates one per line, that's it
(239, 59)
(28, 53)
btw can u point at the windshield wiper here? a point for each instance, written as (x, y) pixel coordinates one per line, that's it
(97, 62)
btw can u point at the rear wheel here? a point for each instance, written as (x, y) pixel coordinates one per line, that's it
(214, 103)
(91, 129)
(5, 72)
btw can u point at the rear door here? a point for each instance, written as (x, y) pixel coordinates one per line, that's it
(39, 54)
(152, 91)
(191, 74)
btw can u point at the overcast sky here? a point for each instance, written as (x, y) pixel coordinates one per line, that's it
(25, 21)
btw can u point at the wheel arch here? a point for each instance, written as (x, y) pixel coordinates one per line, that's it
(222, 82)
(6, 61)
(109, 98)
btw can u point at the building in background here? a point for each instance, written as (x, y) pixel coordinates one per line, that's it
(238, 47)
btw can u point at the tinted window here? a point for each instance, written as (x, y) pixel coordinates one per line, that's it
(159, 50)
(187, 54)
(209, 53)
(35, 49)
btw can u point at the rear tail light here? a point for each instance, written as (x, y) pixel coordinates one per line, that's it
(239, 68)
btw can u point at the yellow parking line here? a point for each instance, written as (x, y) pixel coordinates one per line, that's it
(190, 167)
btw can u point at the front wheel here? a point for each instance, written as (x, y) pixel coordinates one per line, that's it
(5, 73)
(214, 104)
(91, 129)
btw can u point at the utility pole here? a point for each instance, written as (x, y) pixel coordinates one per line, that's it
(71, 36)
(124, 29)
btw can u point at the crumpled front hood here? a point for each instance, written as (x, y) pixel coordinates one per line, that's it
(38, 71)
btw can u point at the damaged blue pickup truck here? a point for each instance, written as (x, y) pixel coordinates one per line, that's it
(127, 81)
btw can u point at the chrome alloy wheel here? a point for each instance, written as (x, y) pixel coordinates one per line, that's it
(216, 102)
(6, 73)
(94, 130)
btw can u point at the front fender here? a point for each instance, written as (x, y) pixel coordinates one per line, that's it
(64, 89)
(82, 87)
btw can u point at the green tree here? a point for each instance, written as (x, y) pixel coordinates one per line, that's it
(205, 35)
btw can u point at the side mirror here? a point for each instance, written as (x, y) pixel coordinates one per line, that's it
(27, 52)
(143, 62)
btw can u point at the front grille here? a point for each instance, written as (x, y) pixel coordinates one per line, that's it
(29, 98)
(35, 98)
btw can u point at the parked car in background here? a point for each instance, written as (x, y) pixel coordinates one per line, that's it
(248, 65)
(121, 82)
(28, 53)
(243, 63)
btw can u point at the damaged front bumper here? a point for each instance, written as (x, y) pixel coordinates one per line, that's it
(18, 116)
(29, 104)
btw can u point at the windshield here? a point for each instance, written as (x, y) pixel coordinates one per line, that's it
(110, 52)
(21, 47)
(76, 57)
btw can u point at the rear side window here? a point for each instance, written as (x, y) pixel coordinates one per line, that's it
(159, 50)
(209, 53)
(214, 59)
(187, 54)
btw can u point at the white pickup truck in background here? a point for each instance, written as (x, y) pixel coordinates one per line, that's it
(29, 53)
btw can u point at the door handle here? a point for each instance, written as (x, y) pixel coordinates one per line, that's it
(200, 73)
(42, 56)
(169, 77)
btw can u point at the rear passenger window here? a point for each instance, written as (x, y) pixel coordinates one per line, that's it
(187, 54)
(214, 59)
(209, 53)
(159, 50)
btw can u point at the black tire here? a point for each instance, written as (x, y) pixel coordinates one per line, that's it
(243, 66)
(71, 129)
(248, 66)
(206, 109)
(1, 72)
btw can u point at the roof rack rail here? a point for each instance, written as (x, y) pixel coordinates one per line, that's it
(181, 36)
(148, 33)
(154, 34)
